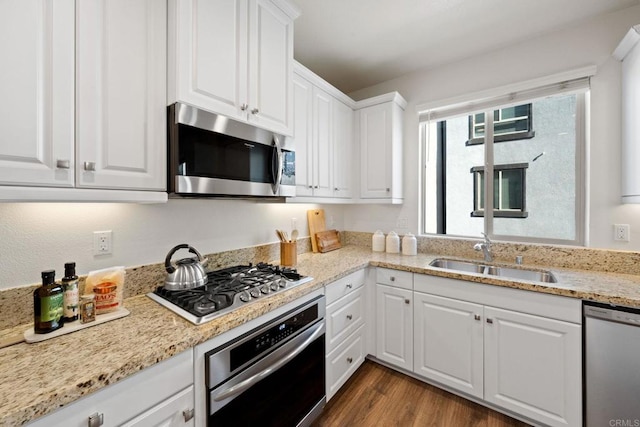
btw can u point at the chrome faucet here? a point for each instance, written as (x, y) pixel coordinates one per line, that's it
(485, 247)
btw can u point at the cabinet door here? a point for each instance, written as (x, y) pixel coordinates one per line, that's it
(375, 145)
(448, 346)
(322, 143)
(173, 412)
(342, 149)
(394, 326)
(36, 88)
(302, 135)
(533, 366)
(208, 55)
(121, 88)
(270, 67)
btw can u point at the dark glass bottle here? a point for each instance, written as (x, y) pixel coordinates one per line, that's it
(71, 297)
(48, 302)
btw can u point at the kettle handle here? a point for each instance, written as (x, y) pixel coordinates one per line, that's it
(167, 261)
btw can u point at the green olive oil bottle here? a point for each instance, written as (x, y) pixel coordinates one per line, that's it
(48, 302)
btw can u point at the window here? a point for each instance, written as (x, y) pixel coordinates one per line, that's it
(535, 191)
(509, 123)
(509, 191)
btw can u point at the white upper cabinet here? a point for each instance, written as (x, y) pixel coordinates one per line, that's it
(628, 51)
(234, 58)
(84, 101)
(323, 138)
(36, 88)
(380, 136)
(342, 150)
(121, 93)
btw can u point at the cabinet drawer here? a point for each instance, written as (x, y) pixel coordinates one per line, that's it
(128, 398)
(343, 317)
(396, 278)
(344, 286)
(344, 360)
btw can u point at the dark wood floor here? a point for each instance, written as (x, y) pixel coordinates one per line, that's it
(378, 396)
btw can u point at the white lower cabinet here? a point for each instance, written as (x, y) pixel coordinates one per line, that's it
(345, 333)
(533, 366)
(394, 326)
(161, 395)
(525, 356)
(448, 345)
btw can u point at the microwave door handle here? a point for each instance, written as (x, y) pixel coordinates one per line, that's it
(313, 333)
(279, 160)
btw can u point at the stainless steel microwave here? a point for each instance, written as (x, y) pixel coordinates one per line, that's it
(212, 155)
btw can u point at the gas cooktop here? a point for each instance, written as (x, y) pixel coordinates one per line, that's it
(228, 289)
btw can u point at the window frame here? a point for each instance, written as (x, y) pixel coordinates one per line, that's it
(513, 136)
(478, 171)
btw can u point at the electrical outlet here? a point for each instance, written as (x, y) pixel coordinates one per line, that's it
(621, 232)
(402, 223)
(294, 223)
(102, 242)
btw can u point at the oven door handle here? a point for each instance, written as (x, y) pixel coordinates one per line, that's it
(315, 332)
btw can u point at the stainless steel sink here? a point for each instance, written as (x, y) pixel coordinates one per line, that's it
(492, 270)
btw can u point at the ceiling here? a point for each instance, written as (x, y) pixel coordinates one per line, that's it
(355, 44)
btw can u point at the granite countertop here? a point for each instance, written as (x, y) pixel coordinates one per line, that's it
(35, 379)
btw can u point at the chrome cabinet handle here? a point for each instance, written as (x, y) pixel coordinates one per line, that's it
(336, 189)
(392, 278)
(350, 359)
(188, 414)
(255, 111)
(407, 301)
(95, 420)
(316, 186)
(388, 190)
(63, 164)
(349, 286)
(349, 316)
(311, 186)
(244, 107)
(476, 317)
(490, 321)
(90, 166)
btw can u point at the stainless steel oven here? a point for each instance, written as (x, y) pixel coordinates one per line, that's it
(273, 375)
(213, 155)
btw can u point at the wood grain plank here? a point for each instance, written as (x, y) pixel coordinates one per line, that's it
(379, 396)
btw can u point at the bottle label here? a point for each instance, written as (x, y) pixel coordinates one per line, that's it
(71, 298)
(51, 308)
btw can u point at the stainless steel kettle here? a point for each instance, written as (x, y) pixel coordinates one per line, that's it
(187, 273)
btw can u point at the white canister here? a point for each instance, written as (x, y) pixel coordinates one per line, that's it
(377, 241)
(393, 243)
(409, 245)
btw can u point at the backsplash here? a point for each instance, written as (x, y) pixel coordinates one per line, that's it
(602, 260)
(16, 304)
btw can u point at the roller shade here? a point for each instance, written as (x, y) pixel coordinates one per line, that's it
(569, 82)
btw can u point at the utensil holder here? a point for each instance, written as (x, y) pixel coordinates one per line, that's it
(288, 254)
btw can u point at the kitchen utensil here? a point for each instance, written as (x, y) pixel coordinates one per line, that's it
(294, 235)
(280, 235)
(316, 221)
(328, 240)
(186, 273)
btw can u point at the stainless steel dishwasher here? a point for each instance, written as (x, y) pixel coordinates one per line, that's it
(611, 365)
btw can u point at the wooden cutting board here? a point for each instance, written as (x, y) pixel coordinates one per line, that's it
(315, 217)
(328, 240)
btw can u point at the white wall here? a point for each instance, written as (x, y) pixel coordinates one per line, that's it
(589, 43)
(40, 236)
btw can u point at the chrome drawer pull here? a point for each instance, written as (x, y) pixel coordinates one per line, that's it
(255, 111)
(90, 166)
(489, 320)
(476, 317)
(407, 301)
(95, 420)
(63, 164)
(350, 359)
(349, 316)
(187, 414)
(349, 286)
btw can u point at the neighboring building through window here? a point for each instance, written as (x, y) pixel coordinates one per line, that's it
(509, 190)
(509, 124)
(537, 171)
